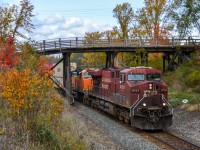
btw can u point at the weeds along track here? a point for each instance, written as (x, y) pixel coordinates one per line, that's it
(162, 139)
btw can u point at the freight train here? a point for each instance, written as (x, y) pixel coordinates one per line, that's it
(136, 95)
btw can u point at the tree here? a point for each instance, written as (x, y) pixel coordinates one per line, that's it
(76, 58)
(96, 60)
(14, 19)
(124, 14)
(186, 15)
(153, 25)
(152, 21)
(8, 56)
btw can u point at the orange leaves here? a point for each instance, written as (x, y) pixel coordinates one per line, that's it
(25, 87)
(22, 89)
(43, 68)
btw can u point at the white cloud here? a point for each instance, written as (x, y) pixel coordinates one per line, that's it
(58, 26)
(57, 18)
(72, 23)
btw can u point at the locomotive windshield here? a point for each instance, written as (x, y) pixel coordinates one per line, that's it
(74, 73)
(156, 77)
(86, 75)
(136, 77)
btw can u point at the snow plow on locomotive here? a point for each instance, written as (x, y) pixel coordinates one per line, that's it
(135, 95)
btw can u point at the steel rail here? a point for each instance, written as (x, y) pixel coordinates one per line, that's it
(173, 141)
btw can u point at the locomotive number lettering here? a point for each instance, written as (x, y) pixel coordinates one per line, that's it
(106, 80)
(104, 86)
(122, 87)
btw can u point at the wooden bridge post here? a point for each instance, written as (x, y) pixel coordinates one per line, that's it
(146, 59)
(180, 58)
(76, 41)
(164, 66)
(59, 44)
(116, 63)
(66, 74)
(110, 56)
(157, 41)
(172, 41)
(44, 45)
(108, 60)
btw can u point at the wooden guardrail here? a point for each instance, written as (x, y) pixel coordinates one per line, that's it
(76, 42)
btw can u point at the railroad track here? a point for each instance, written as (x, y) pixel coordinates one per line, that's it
(172, 141)
(163, 139)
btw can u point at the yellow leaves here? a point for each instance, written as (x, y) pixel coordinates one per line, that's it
(22, 89)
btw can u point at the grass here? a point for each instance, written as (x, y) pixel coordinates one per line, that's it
(176, 97)
(66, 133)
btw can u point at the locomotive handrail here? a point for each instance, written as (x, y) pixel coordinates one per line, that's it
(133, 105)
(163, 98)
(137, 102)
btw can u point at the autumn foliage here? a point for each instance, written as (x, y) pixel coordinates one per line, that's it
(24, 91)
(8, 57)
(24, 83)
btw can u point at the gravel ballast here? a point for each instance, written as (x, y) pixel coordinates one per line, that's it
(119, 136)
(186, 125)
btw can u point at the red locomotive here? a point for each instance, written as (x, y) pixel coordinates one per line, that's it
(135, 95)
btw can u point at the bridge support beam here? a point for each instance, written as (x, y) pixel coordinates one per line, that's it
(180, 58)
(67, 75)
(164, 65)
(110, 57)
(146, 59)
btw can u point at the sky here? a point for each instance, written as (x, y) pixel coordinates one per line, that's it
(72, 18)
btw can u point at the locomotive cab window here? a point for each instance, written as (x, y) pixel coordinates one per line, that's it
(122, 78)
(156, 77)
(112, 74)
(117, 74)
(74, 74)
(135, 77)
(86, 75)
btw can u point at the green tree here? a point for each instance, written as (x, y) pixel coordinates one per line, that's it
(186, 15)
(76, 58)
(96, 60)
(124, 15)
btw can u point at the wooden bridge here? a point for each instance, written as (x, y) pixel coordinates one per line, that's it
(171, 48)
(81, 45)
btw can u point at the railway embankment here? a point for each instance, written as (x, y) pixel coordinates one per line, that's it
(109, 134)
(186, 124)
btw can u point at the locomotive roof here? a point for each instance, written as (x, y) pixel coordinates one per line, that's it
(141, 70)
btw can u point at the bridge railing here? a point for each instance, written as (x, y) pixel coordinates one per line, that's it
(46, 45)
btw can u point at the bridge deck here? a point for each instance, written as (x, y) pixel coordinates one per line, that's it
(80, 45)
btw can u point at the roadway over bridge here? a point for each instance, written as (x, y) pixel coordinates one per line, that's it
(171, 48)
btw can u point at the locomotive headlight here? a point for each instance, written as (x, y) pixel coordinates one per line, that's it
(150, 86)
(144, 104)
(164, 104)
